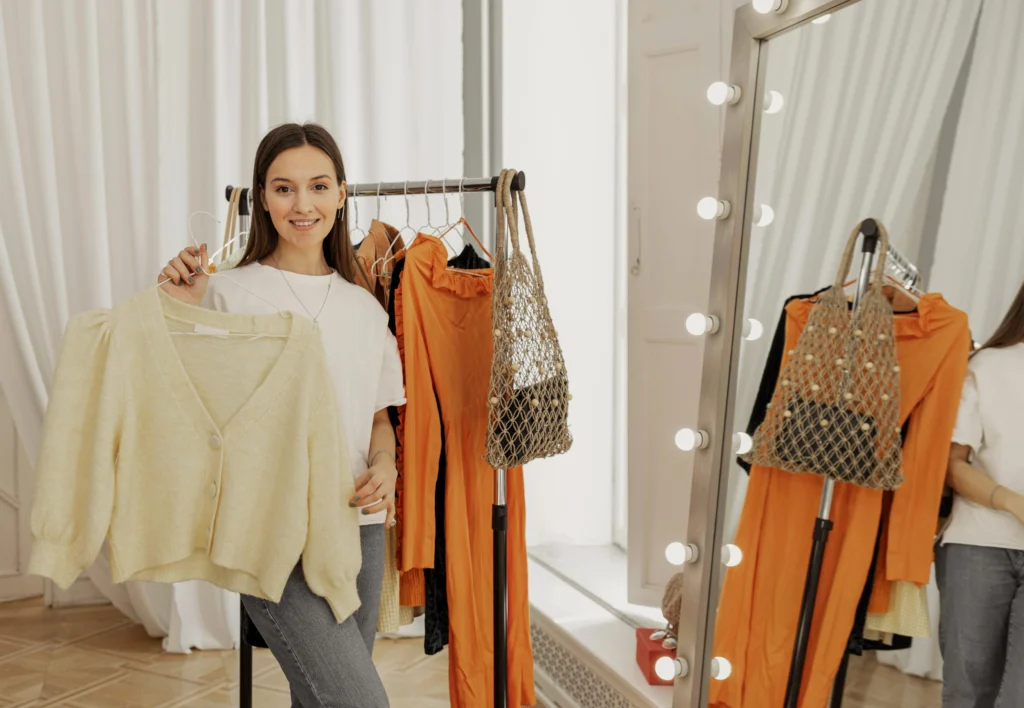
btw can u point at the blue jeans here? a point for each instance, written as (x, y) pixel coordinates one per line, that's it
(981, 626)
(328, 665)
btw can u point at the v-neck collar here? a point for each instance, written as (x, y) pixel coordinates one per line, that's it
(298, 330)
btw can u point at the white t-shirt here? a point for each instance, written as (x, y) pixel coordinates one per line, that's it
(362, 354)
(991, 423)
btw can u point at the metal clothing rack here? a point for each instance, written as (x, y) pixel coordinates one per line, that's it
(910, 277)
(499, 510)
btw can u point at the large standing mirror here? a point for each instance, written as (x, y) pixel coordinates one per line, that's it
(872, 117)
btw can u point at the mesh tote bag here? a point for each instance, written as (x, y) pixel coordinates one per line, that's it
(529, 391)
(835, 410)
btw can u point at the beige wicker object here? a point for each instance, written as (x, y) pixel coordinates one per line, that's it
(835, 411)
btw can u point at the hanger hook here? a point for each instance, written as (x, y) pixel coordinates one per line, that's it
(444, 195)
(408, 216)
(430, 219)
(462, 200)
(192, 216)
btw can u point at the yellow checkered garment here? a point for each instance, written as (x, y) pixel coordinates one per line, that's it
(392, 615)
(907, 615)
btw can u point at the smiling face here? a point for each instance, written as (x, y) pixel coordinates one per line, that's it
(302, 196)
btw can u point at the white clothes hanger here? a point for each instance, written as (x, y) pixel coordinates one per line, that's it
(212, 274)
(390, 255)
(357, 228)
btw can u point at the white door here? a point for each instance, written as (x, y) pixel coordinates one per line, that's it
(15, 512)
(675, 53)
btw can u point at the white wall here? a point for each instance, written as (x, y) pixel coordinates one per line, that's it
(559, 75)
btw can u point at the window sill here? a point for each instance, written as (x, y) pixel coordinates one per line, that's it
(578, 594)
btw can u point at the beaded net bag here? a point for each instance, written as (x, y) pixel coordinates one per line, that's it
(529, 391)
(835, 410)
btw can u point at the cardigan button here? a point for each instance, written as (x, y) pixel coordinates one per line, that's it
(215, 442)
(213, 490)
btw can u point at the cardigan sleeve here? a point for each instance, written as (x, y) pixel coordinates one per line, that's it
(74, 495)
(332, 555)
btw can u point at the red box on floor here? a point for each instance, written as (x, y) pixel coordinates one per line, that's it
(648, 651)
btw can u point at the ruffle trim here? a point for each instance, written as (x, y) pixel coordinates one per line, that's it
(400, 430)
(441, 277)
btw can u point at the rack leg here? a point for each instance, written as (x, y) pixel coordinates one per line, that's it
(499, 523)
(244, 665)
(822, 527)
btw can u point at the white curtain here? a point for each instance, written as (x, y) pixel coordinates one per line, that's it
(979, 252)
(864, 99)
(123, 117)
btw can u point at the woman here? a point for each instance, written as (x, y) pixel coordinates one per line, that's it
(981, 562)
(299, 258)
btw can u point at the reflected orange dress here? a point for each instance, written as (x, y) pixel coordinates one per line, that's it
(760, 604)
(443, 324)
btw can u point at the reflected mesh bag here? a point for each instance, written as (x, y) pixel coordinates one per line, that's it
(835, 410)
(529, 390)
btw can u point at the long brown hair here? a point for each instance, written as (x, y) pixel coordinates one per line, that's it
(1011, 330)
(338, 251)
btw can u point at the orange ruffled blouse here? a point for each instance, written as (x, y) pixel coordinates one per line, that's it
(443, 326)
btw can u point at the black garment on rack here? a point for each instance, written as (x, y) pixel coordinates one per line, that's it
(435, 579)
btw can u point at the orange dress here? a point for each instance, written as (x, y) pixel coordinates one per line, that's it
(760, 604)
(444, 321)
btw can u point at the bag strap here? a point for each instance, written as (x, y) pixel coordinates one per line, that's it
(511, 201)
(529, 236)
(881, 254)
(501, 207)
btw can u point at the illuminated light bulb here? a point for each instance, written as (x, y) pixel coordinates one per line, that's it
(698, 323)
(763, 215)
(752, 330)
(668, 668)
(773, 102)
(742, 443)
(721, 669)
(688, 439)
(665, 668)
(720, 93)
(768, 6)
(821, 20)
(732, 556)
(678, 553)
(710, 208)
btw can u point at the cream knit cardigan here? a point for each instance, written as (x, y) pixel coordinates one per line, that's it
(196, 457)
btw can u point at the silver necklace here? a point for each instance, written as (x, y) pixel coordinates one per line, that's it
(322, 305)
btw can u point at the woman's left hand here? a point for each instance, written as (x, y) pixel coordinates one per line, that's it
(375, 489)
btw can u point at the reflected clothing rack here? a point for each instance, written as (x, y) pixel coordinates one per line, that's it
(910, 277)
(499, 510)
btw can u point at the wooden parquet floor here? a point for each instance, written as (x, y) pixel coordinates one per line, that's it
(93, 657)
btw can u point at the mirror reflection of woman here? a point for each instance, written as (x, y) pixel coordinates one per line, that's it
(980, 565)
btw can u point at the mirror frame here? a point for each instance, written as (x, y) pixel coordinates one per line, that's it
(701, 579)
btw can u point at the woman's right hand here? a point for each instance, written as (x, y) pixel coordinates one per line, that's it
(185, 280)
